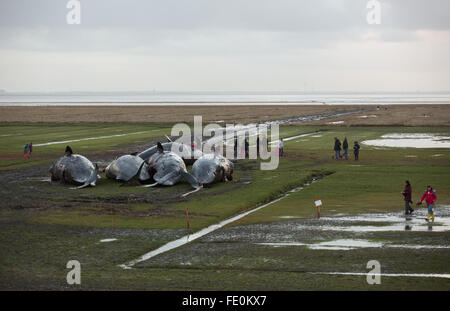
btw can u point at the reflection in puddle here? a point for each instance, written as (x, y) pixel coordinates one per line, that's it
(369, 223)
(349, 244)
(342, 244)
(394, 222)
(411, 140)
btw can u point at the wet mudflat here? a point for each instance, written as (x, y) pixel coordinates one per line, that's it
(341, 245)
(280, 247)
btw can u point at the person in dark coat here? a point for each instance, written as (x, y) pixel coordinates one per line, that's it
(235, 146)
(345, 147)
(159, 147)
(356, 148)
(246, 145)
(407, 193)
(337, 148)
(257, 146)
(68, 151)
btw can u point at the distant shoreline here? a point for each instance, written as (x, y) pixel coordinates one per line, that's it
(213, 103)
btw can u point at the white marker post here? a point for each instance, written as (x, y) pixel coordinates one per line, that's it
(318, 204)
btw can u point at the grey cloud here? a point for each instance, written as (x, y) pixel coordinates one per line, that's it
(274, 15)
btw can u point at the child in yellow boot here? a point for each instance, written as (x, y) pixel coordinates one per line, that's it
(430, 197)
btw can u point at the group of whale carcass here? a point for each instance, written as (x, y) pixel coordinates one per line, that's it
(158, 165)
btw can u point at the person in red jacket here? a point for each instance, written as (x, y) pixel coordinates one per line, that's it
(407, 193)
(430, 197)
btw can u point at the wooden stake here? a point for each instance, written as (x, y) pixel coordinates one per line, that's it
(187, 218)
(112, 217)
(37, 212)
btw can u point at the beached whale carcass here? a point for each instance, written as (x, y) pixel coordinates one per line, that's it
(74, 169)
(211, 168)
(127, 167)
(168, 168)
(179, 149)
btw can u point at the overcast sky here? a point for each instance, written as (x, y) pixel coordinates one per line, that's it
(225, 45)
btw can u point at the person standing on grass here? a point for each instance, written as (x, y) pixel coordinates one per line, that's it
(337, 148)
(356, 148)
(246, 145)
(407, 193)
(235, 146)
(345, 147)
(30, 150)
(430, 197)
(257, 145)
(281, 147)
(25, 152)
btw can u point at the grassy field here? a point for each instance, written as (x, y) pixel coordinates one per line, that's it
(44, 225)
(49, 140)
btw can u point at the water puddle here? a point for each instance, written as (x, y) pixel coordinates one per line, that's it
(394, 222)
(415, 136)
(369, 116)
(107, 240)
(342, 244)
(418, 275)
(410, 140)
(345, 243)
(350, 244)
(417, 246)
(44, 179)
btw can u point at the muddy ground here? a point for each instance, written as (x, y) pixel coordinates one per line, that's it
(415, 246)
(402, 115)
(407, 115)
(31, 187)
(398, 115)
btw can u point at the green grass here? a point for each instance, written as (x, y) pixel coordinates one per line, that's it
(70, 223)
(95, 138)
